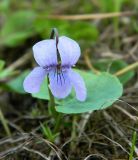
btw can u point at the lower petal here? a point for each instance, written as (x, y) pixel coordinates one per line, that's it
(78, 84)
(60, 84)
(33, 81)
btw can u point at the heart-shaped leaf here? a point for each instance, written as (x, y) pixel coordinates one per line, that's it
(102, 91)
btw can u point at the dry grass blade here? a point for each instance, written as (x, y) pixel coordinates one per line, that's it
(126, 69)
(10, 151)
(54, 148)
(132, 107)
(24, 136)
(96, 155)
(114, 125)
(83, 122)
(134, 118)
(36, 152)
(92, 16)
(114, 142)
(13, 150)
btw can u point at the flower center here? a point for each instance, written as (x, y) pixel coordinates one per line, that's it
(57, 67)
(59, 72)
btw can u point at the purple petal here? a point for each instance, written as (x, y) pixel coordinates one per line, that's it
(45, 52)
(33, 81)
(78, 84)
(60, 85)
(69, 50)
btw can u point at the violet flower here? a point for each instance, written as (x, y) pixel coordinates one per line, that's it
(55, 60)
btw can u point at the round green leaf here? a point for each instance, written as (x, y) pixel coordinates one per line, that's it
(102, 91)
(16, 84)
(2, 63)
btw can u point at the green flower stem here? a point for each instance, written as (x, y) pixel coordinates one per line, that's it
(51, 106)
(57, 116)
(73, 132)
(58, 122)
(4, 123)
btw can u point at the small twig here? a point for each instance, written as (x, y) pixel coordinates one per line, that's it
(88, 62)
(92, 16)
(21, 61)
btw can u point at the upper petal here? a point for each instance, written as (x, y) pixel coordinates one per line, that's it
(45, 52)
(78, 84)
(33, 81)
(60, 85)
(69, 50)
